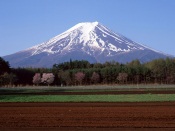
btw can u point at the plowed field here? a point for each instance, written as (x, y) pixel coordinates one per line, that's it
(87, 116)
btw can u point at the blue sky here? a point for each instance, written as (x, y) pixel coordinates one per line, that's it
(25, 23)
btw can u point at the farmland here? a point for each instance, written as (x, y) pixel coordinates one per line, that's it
(88, 108)
(89, 98)
(89, 94)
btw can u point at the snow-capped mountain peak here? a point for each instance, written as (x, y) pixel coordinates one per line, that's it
(90, 41)
(92, 38)
(86, 26)
(84, 29)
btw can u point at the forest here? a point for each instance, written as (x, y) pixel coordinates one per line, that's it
(73, 73)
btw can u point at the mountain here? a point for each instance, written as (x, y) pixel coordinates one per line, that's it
(88, 41)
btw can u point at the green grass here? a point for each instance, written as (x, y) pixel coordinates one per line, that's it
(23, 97)
(89, 98)
(95, 88)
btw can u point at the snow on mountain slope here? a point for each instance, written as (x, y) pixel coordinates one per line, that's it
(86, 35)
(90, 41)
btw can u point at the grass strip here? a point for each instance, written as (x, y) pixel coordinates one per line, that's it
(24, 90)
(89, 98)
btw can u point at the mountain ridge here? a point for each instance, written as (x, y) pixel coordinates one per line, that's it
(89, 41)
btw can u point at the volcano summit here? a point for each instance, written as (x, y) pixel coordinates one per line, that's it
(85, 41)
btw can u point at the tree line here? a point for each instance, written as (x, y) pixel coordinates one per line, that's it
(159, 71)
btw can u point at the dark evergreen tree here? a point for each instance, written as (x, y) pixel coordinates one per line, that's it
(4, 66)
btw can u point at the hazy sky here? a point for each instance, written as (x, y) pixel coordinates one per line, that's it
(25, 23)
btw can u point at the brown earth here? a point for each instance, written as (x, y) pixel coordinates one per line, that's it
(87, 116)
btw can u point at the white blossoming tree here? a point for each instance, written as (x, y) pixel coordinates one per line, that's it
(47, 78)
(37, 79)
(79, 77)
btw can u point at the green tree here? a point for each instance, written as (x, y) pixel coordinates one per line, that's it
(122, 77)
(135, 71)
(8, 79)
(24, 75)
(158, 69)
(65, 77)
(95, 78)
(170, 71)
(4, 66)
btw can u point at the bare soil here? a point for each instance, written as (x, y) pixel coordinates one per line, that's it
(88, 116)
